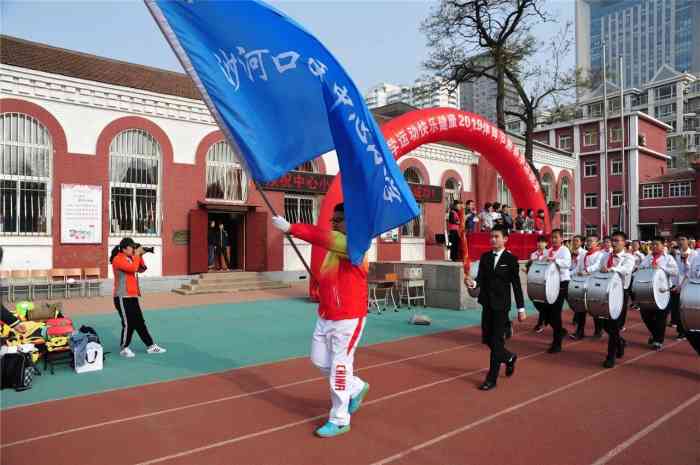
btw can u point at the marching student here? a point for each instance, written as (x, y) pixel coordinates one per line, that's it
(638, 254)
(693, 337)
(577, 250)
(683, 256)
(655, 319)
(498, 273)
(561, 256)
(588, 264)
(540, 255)
(341, 316)
(621, 262)
(607, 244)
(453, 225)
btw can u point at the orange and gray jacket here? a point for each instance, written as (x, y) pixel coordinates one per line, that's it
(126, 283)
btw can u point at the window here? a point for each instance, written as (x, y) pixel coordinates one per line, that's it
(664, 92)
(616, 167)
(680, 189)
(565, 142)
(591, 230)
(565, 206)
(25, 175)
(413, 228)
(300, 209)
(547, 187)
(134, 174)
(591, 200)
(503, 193)
(590, 168)
(225, 177)
(307, 167)
(652, 191)
(595, 109)
(450, 193)
(615, 134)
(616, 199)
(590, 138)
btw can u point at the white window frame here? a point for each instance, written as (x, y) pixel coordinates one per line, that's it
(590, 138)
(298, 199)
(407, 228)
(220, 149)
(547, 186)
(615, 134)
(590, 164)
(616, 199)
(680, 189)
(591, 229)
(39, 141)
(565, 138)
(136, 186)
(616, 167)
(503, 195)
(586, 197)
(652, 191)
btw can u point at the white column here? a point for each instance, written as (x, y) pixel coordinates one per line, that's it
(633, 178)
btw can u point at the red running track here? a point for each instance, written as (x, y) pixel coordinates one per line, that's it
(423, 408)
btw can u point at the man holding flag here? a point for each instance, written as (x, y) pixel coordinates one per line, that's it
(260, 73)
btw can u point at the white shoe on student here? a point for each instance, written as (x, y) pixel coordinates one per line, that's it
(128, 353)
(156, 349)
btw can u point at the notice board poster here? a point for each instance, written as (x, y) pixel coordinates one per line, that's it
(81, 214)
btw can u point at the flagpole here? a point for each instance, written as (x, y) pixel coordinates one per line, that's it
(623, 213)
(604, 170)
(289, 236)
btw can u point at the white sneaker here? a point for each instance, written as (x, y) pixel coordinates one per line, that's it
(156, 349)
(128, 353)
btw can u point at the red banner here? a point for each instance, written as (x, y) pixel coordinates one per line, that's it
(311, 183)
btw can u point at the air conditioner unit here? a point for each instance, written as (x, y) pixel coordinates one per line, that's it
(643, 140)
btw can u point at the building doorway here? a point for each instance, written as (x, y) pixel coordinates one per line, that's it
(647, 232)
(234, 226)
(688, 229)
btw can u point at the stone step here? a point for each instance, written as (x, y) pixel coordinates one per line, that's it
(228, 276)
(193, 290)
(223, 282)
(237, 285)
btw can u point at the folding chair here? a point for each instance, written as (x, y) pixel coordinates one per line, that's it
(59, 281)
(412, 279)
(4, 284)
(20, 279)
(92, 280)
(40, 281)
(74, 281)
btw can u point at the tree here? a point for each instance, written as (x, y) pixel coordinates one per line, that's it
(493, 39)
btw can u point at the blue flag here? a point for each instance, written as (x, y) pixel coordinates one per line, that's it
(283, 99)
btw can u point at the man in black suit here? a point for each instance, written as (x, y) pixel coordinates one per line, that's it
(498, 272)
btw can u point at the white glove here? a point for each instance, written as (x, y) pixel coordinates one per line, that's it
(281, 224)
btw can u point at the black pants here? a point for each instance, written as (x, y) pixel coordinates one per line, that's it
(580, 320)
(655, 321)
(613, 328)
(694, 340)
(543, 310)
(554, 314)
(675, 305)
(493, 325)
(454, 245)
(222, 252)
(132, 320)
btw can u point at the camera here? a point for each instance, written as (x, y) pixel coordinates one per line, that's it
(145, 249)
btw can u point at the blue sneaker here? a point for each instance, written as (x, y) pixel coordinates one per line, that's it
(330, 430)
(356, 402)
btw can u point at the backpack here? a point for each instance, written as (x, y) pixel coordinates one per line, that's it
(91, 334)
(18, 371)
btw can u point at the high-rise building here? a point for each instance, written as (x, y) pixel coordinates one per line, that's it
(479, 96)
(419, 95)
(647, 34)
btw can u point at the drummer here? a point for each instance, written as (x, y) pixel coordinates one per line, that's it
(587, 264)
(540, 255)
(561, 256)
(693, 337)
(577, 250)
(655, 319)
(607, 244)
(683, 257)
(621, 262)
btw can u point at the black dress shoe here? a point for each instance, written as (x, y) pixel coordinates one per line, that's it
(488, 385)
(510, 365)
(621, 348)
(598, 335)
(609, 363)
(555, 349)
(509, 332)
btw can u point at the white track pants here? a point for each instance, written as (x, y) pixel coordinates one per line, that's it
(333, 351)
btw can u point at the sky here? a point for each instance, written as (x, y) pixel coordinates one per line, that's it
(376, 41)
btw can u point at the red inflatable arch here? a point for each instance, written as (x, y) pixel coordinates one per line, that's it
(411, 130)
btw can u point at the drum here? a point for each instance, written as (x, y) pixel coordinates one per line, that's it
(650, 288)
(577, 293)
(543, 282)
(473, 272)
(690, 305)
(605, 295)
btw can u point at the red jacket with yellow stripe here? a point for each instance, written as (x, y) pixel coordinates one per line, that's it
(342, 285)
(126, 283)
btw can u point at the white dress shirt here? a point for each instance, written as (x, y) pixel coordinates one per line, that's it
(562, 258)
(638, 257)
(589, 263)
(683, 266)
(694, 267)
(623, 264)
(574, 260)
(665, 262)
(538, 256)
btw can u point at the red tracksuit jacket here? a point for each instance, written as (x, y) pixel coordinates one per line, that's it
(342, 285)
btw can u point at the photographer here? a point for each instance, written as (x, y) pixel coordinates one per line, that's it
(127, 260)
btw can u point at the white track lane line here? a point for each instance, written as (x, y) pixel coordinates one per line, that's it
(641, 434)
